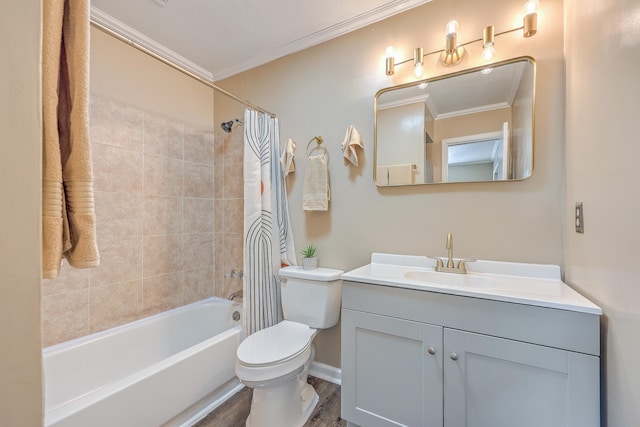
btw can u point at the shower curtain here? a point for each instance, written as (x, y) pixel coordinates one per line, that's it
(268, 241)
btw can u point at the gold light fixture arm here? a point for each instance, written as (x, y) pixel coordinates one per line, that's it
(453, 52)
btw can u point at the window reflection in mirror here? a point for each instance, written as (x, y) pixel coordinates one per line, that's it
(464, 127)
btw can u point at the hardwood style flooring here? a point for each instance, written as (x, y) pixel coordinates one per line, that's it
(234, 412)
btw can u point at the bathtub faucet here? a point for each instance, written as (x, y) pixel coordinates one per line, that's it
(236, 294)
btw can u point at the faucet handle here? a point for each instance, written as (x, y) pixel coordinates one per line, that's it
(438, 260)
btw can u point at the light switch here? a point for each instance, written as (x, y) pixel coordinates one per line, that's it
(579, 218)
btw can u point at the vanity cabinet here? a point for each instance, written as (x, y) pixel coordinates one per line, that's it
(417, 358)
(392, 379)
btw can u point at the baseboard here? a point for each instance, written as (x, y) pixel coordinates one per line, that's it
(326, 372)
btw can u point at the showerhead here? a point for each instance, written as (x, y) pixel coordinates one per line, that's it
(227, 126)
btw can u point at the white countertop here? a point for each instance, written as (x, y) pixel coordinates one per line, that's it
(531, 284)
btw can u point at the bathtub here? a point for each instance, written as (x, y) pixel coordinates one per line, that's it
(169, 369)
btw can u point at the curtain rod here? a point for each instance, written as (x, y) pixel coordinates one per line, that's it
(175, 66)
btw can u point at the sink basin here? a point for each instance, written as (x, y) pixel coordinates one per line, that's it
(451, 279)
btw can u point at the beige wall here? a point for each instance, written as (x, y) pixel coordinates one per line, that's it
(20, 229)
(124, 74)
(401, 138)
(322, 90)
(602, 49)
(470, 124)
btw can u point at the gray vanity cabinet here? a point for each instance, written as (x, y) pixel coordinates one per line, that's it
(392, 355)
(415, 358)
(493, 382)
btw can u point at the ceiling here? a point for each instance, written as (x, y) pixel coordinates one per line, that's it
(220, 38)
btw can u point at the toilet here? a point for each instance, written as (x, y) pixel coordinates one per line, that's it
(275, 361)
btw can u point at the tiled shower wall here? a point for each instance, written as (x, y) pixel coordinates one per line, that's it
(229, 208)
(169, 216)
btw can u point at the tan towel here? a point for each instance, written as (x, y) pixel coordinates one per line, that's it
(286, 159)
(68, 211)
(352, 142)
(382, 175)
(316, 192)
(401, 174)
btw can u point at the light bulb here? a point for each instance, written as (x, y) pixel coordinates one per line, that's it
(488, 52)
(487, 70)
(423, 85)
(531, 6)
(389, 52)
(452, 27)
(418, 70)
(389, 61)
(530, 20)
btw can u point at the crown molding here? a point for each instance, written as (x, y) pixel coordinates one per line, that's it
(374, 15)
(403, 101)
(474, 110)
(344, 27)
(137, 37)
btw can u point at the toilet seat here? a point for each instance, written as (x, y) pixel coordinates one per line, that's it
(275, 344)
(274, 352)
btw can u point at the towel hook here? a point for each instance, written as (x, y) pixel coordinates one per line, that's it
(319, 141)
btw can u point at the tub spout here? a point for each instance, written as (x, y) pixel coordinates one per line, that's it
(236, 294)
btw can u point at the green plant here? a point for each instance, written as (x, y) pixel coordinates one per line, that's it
(309, 251)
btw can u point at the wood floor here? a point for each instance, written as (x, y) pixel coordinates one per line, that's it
(234, 412)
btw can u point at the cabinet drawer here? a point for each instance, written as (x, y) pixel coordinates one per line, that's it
(567, 330)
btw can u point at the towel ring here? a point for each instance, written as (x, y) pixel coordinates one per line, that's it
(319, 141)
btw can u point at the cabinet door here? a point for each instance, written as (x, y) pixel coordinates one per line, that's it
(495, 382)
(391, 371)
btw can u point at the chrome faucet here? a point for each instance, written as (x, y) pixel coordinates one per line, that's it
(450, 267)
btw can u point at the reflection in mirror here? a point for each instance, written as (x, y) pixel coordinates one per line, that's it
(475, 125)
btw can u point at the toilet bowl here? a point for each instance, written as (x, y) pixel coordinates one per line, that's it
(275, 361)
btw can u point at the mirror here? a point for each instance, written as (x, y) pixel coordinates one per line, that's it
(471, 126)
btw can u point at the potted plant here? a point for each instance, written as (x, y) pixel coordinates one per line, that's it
(309, 258)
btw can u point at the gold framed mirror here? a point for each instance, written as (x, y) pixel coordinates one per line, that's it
(474, 125)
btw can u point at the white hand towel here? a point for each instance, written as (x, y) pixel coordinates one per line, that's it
(351, 143)
(287, 157)
(401, 174)
(316, 192)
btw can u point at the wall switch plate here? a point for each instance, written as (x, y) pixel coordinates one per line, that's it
(579, 218)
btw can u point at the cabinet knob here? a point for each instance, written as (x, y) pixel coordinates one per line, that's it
(431, 350)
(453, 356)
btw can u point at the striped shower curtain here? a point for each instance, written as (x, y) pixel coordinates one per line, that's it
(268, 241)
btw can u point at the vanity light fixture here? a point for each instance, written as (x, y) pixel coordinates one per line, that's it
(418, 58)
(453, 52)
(488, 36)
(390, 60)
(530, 21)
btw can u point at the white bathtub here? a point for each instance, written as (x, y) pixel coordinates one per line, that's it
(168, 369)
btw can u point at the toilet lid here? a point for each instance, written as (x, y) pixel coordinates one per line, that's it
(274, 344)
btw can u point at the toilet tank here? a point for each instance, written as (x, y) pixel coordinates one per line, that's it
(311, 297)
